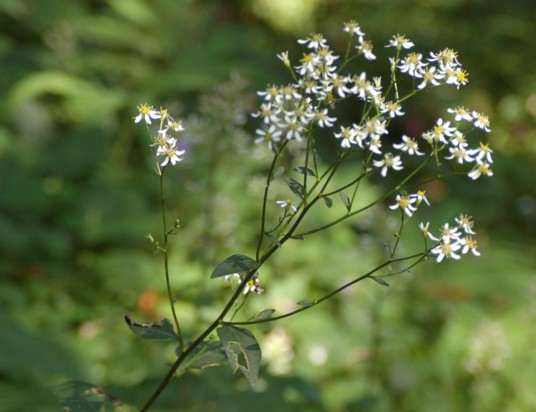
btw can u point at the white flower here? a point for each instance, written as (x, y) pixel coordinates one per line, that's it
(461, 114)
(442, 130)
(287, 204)
(466, 223)
(393, 108)
(170, 152)
(420, 196)
(450, 234)
(283, 56)
(353, 27)
(446, 58)
(426, 232)
(430, 76)
(408, 145)
(348, 135)
(483, 153)
(253, 286)
(405, 203)
(388, 162)
(479, 170)
(146, 113)
(469, 244)
(460, 154)
(365, 47)
(323, 120)
(314, 41)
(446, 250)
(412, 64)
(400, 42)
(481, 121)
(273, 134)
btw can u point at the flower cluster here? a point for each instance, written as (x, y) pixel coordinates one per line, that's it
(253, 284)
(453, 240)
(164, 140)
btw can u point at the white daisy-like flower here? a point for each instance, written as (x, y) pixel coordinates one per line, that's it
(483, 153)
(400, 42)
(405, 203)
(388, 162)
(466, 223)
(469, 244)
(481, 121)
(146, 113)
(287, 204)
(446, 250)
(481, 169)
(408, 145)
(426, 231)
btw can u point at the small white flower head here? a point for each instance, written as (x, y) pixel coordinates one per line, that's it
(388, 162)
(430, 76)
(365, 48)
(469, 244)
(446, 250)
(270, 136)
(442, 130)
(460, 154)
(322, 118)
(446, 58)
(314, 41)
(458, 140)
(175, 125)
(420, 196)
(408, 145)
(405, 203)
(253, 285)
(483, 153)
(348, 135)
(352, 27)
(426, 231)
(457, 76)
(450, 234)
(461, 113)
(400, 42)
(283, 56)
(170, 152)
(481, 169)
(146, 113)
(466, 223)
(481, 121)
(412, 64)
(268, 112)
(287, 204)
(393, 109)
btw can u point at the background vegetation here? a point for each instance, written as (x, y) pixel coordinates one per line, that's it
(78, 196)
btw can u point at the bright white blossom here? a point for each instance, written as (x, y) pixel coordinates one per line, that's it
(481, 169)
(446, 250)
(405, 203)
(287, 204)
(481, 121)
(408, 145)
(146, 113)
(400, 42)
(388, 162)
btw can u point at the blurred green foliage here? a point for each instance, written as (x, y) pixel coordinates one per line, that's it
(78, 196)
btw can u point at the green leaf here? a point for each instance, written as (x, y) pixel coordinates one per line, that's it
(297, 188)
(306, 302)
(82, 396)
(243, 351)
(278, 172)
(151, 330)
(240, 264)
(380, 281)
(304, 170)
(346, 200)
(328, 201)
(206, 355)
(264, 314)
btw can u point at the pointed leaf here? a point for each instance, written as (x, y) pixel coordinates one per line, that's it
(278, 172)
(243, 351)
(151, 330)
(264, 314)
(328, 201)
(306, 302)
(240, 264)
(296, 187)
(346, 200)
(304, 170)
(380, 281)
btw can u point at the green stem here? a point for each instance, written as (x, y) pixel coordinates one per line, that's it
(166, 258)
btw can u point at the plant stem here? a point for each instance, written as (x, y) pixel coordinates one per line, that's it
(166, 258)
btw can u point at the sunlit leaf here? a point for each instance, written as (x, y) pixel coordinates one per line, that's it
(345, 199)
(264, 314)
(379, 280)
(240, 264)
(151, 330)
(243, 351)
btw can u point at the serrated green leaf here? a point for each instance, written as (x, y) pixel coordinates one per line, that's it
(304, 170)
(296, 187)
(278, 172)
(345, 200)
(151, 330)
(264, 314)
(328, 201)
(240, 264)
(243, 351)
(380, 281)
